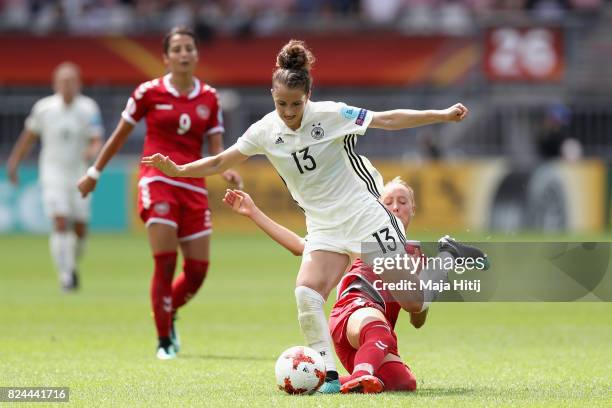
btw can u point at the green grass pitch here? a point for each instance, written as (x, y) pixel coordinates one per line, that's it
(100, 342)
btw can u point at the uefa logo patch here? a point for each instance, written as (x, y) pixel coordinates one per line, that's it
(317, 131)
(349, 112)
(203, 112)
(162, 208)
(361, 117)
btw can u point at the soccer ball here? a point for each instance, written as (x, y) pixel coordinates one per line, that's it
(300, 370)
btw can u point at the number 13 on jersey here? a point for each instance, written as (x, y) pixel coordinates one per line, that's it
(306, 162)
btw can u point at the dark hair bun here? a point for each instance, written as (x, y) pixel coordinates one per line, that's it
(295, 56)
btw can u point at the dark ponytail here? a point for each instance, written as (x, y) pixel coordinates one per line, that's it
(293, 64)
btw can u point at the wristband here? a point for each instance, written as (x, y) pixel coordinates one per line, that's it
(93, 173)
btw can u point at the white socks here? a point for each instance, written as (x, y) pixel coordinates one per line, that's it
(314, 324)
(62, 245)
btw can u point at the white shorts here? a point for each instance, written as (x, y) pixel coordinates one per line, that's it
(66, 202)
(373, 232)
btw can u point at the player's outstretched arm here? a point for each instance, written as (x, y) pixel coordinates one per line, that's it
(215, 146)
(407, 118)
(417, 319)
(207, 166)
(22, 148)
(87, 183)
(242, 203)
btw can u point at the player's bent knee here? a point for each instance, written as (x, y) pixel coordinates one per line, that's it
(318, 287)
(359, 319)
(308, 299)
(382, 339)
(196, 270)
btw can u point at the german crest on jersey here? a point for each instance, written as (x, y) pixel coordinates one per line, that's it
(317, 131)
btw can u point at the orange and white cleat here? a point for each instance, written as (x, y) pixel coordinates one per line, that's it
(366, 384)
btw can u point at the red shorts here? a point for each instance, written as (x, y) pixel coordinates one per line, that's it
(185, 209)
(338, 320)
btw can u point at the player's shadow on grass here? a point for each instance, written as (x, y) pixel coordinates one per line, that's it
(218, 357)
(440, 392)
(431, 392)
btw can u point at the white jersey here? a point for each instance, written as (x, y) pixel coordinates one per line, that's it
(318, 163)
(64, 131)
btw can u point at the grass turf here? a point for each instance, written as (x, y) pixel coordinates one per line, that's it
(100, 342)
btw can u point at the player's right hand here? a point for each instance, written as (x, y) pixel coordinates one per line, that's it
(239, 201)
(163, 163)
(456, 113)
(86, 185)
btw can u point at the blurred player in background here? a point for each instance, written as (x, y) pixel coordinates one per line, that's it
(69, 126)
(181, 114)
(312, 146)
(362, 321)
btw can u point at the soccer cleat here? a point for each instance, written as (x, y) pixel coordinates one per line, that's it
(330, 387)
(459, 250)
(366, 384)
(166, 353)
(72, 283)
(174, 336)
(165, 349)
(75, 280)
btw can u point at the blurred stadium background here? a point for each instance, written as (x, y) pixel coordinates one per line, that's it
(533, 155)
(533, 161)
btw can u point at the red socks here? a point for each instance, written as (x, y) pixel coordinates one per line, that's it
(396, 376)
(161, 291)
(375, 340)
(186, 285)
(166, 297)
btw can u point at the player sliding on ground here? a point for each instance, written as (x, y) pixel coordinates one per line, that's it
(312, 146)
(362, 321)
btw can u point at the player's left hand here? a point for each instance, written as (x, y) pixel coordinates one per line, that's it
(456, 113)
(86, 185)
(232, 176)
(163, 163)
(240, 202)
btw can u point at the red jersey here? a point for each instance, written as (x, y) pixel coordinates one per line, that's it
(360, 280)
(176, 125)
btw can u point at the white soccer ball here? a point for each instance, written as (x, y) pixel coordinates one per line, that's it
(300, 370)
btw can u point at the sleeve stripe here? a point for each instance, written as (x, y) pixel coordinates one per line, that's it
(216, 129)
(126, 116)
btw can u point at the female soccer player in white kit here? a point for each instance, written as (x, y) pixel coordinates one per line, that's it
(312, 146)
(69, 126)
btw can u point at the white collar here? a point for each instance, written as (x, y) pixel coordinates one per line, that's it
(173, 91)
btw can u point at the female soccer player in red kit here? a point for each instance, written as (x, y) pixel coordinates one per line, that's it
(362, 321)
(181, 113)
